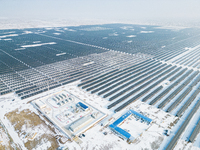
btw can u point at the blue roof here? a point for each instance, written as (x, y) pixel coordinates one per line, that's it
(123, 132)
(122, 118)
(127, 114)
(141, 116)
(112, 126)
(82, 105)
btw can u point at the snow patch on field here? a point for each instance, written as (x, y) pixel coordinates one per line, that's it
(67, 29)
(27, 32)
(56, 33)
(9, 35)
(9, 39)
(113, 34)
(127, 28)
(95, 29)
(174, 28)
(7, 106)
(36, 45)
(130, 36)
(60, 54)
(19, 49)
(146, 31)
(36, 41)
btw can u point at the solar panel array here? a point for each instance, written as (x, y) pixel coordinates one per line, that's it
(167, 78)
(191, 59)
(27, 80)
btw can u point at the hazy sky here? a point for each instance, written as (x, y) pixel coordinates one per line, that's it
(102, 9)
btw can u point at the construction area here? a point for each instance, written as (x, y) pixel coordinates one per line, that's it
(69, 113)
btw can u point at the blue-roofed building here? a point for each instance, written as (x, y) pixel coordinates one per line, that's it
(83, 106)
(146, 119)
(123, 133)
(122, 118)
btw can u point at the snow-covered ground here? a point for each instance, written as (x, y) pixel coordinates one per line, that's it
(146, 31)
(146, 136)
(94, 136)
(36, 45)
(130, 36)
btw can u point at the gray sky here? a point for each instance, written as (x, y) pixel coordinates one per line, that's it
(158, 10)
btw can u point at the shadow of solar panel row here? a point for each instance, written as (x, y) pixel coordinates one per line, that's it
(195, 132)
(148, 40)
(13, 63)
(114, 58)
(88, 72)
(21, 90)
(18, 81)
(2, 86)
(169, 55)
(68, 81)
(110, 73)
(44, 53)
(4, 68)
(110, 55)
(129, 80)
(160, 87)
(188, 102)
(123, 79)
(169, 88)
(27, 77)
(174, 140)
(73, 48)
(121, 63)
(188, 56)
(34, 83)
(190, 59)
(146, 90)
(83, 74)
(13, 78)
(147, 77)
(35, 93)
(138, 89)
(125, 68)
(107, 78)
(30, 89)
(177, 75)
(178, 48)
(105, 74)
(108, 68)
(179, 99)
(61, 78)
(183, 95)
(175, 92)
(48, 83)
(38, 88)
